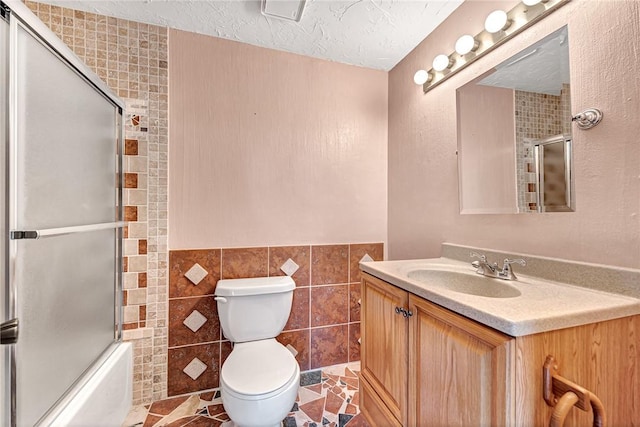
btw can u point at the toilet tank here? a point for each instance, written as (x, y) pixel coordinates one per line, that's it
(254, 309)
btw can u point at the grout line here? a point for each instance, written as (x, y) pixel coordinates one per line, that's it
(219, 359)
(197, 344)
(349, 263)
(189, 297)
(269, 262)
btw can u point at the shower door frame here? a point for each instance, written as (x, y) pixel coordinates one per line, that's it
(20, 15)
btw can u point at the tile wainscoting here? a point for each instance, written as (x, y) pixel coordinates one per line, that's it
(324, 325)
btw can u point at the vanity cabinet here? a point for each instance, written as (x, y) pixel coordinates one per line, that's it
(427, 365)
(430, 366)
(384, 352)
(459, 370)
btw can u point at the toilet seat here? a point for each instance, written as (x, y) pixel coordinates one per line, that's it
(258, 369)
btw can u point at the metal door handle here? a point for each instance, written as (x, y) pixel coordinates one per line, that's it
(9, 332)
(52, 232)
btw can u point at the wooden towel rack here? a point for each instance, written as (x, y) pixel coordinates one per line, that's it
(563, 394)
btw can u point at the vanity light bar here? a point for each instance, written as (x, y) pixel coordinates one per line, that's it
(519, 18)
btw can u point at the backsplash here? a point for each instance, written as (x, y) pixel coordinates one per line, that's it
(607, 278)
(324, 325)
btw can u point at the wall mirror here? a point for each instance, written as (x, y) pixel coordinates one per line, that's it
(514, 133)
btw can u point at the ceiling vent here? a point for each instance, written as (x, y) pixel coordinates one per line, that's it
(289, 10)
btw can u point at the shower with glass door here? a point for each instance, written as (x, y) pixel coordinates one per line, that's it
(62, 224)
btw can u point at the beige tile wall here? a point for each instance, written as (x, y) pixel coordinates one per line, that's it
(132, 59)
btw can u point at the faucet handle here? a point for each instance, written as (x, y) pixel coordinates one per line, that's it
(482, 257)
(508, 262)
(507, 272)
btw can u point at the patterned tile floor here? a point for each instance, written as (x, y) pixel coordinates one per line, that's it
(327, 398)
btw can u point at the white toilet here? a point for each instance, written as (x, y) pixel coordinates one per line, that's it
(260, 378)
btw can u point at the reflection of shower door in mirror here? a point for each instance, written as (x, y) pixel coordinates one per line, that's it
(63, 213)
(501, 114)
(553, 172)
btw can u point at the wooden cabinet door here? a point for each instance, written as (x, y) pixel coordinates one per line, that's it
(603, 357)
(460, 372)
(384, 345)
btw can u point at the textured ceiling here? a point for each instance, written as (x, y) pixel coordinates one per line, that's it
(370, 33)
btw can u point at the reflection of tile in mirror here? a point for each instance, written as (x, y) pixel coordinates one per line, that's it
(501, 115)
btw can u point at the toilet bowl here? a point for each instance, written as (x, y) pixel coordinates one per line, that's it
(259, 380)
(259, 383)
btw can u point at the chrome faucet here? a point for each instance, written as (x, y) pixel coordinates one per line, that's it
(507, 272)
(482, 266)
(491, 270)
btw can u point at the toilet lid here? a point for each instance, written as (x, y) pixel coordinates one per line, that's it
(258, 367)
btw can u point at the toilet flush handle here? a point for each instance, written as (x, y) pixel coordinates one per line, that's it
(221, 299)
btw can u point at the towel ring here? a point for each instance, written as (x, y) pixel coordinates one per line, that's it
(588, 119)
(571, 395)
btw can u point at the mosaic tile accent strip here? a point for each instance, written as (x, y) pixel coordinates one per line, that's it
(289, 267)
(196, 273)
(329, 397)
(195, 321)
(131, 58)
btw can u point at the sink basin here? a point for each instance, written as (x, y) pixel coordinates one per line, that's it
(465, 283)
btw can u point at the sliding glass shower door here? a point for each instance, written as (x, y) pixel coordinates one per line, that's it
(64, 220)
(5, 390)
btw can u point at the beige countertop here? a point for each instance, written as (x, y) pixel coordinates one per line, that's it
(542, 305)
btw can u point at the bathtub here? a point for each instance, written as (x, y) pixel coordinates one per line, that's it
(103, 398)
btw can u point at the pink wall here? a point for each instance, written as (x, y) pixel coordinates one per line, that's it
(423, 193)
(272, 148)
(489, 162)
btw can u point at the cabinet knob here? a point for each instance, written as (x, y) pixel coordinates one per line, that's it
(398, 310)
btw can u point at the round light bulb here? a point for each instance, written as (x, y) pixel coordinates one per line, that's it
(466, 44)
(421, 77)
(441, 62)
(530, 2)
(496, 21)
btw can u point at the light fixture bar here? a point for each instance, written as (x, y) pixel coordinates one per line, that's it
(521, 18)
